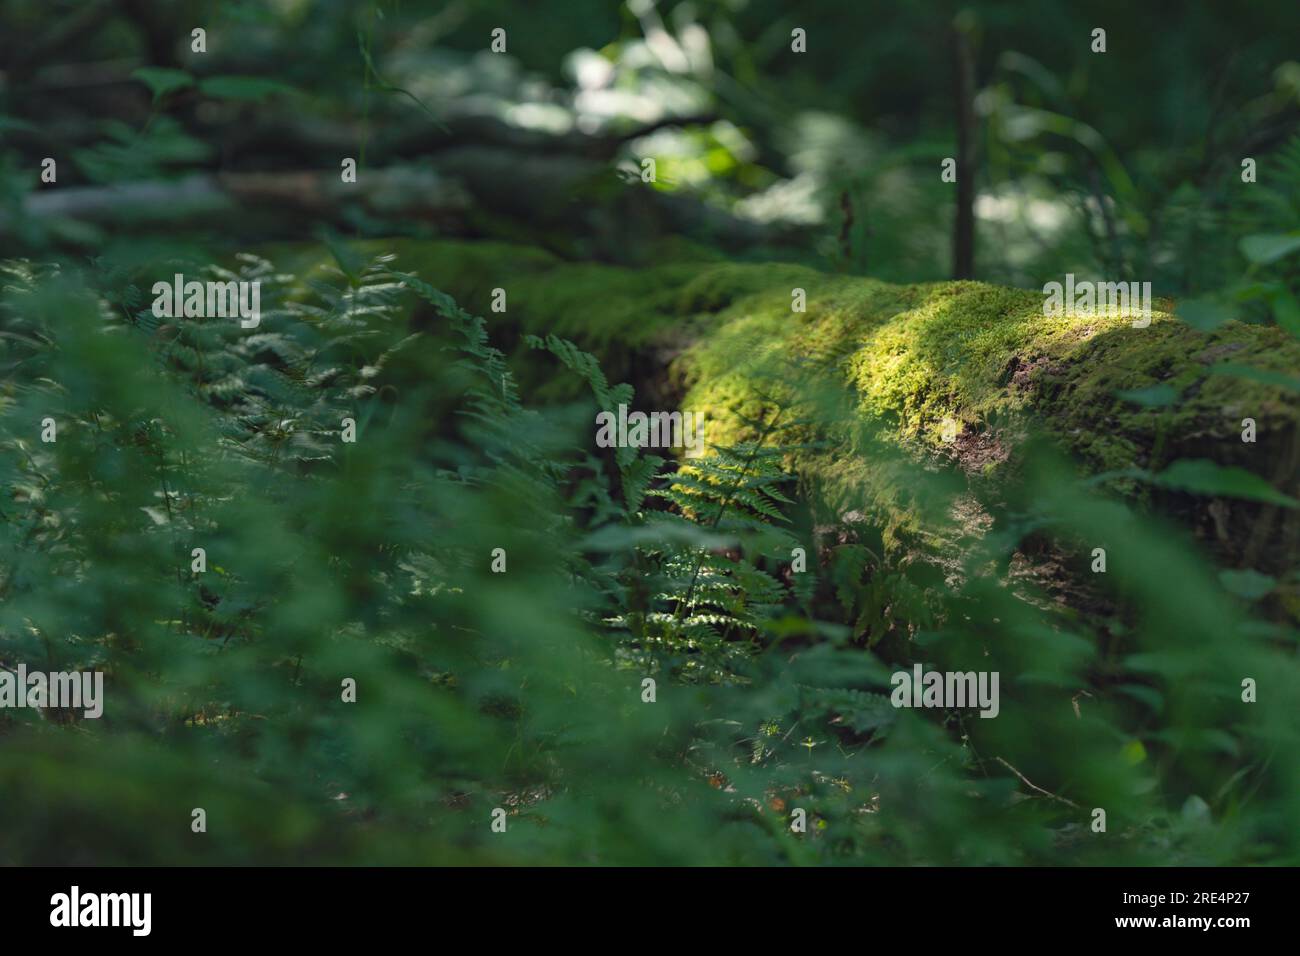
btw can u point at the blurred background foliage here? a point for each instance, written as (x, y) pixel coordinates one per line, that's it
(523, 690)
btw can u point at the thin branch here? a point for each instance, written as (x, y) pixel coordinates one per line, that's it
(1033, 786)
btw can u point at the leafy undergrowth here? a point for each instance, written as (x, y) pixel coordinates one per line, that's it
(637, 660)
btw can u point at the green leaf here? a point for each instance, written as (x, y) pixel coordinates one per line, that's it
(1286, 311)
(241, 87)
(1247, 584)
(615, 538)
(826, 667)
(1264, 376)
(1203, 477)
(1265, 248)
(1133, 753)
(379, 83)
(157, 515)
(161, 80)
(1251, 291)
(13, 123)
(1153, 396)
(636, 479)
(861, 712)
(1149, 696)
(1196, 812)
(1203, 314)
(350, 262)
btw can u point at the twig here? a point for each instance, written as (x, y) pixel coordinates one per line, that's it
(1033, 786)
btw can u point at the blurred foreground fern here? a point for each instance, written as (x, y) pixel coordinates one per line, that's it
(521, 688)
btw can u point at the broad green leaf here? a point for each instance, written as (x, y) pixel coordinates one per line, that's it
(161, 80)
(1250, 291)
(1264, 376)
(1149, 696)
(1247, 584)
(1265, 248)
(1133, 752)
(1152, 396)
(614, 538)
(1203, 314)
(1287, 312)
(1196, 812)
(13, 123)
(241, 87)
(1204, 477)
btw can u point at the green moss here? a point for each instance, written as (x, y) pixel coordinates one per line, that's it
(892, 363)
(895, 364)
(915, 357)
(725, 284)
(600, 306)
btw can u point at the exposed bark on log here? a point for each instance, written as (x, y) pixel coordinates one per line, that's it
(559, 188)
(205, 200)
(549, 192)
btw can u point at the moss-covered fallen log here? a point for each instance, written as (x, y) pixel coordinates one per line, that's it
(956, 372)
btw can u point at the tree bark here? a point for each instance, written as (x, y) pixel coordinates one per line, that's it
(963, 238)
